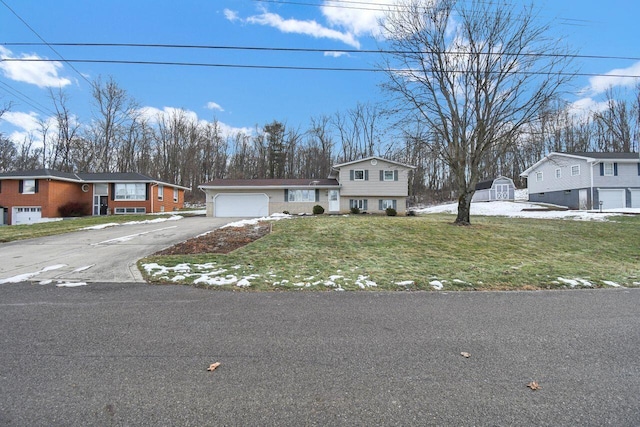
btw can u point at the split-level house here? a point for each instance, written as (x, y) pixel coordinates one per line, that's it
(372, 185)
(27, 197)
(586, 180)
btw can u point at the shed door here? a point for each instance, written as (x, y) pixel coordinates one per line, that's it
(241, 205)
(26, 215)
(612, 198)
(635, 198)
(502, 191)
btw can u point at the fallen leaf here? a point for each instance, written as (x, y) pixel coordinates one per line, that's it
(533, 385)
(465, 354)
(213, 366)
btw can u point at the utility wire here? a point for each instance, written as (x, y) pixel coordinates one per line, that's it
(26, 99)
(44, 41)
(305, 50)
(295, 67)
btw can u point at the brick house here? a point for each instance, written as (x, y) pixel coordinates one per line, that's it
(27, 197)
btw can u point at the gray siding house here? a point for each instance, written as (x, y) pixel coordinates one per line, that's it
(500, 188)
(586, 180)
(372, 185)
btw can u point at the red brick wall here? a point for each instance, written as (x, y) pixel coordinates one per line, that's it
(167, 200)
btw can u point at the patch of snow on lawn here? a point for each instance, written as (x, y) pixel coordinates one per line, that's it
(146, 221)
(517, 210)
(610, 283)
(364, 282)
(101, 226)
(254, 221)
(436, 284)
(405, 283)
(575, 282)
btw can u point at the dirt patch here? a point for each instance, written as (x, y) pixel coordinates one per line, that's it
(220, 241)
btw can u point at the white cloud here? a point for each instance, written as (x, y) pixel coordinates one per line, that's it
(214, 106)
(335, 54)
(28, 122)
(581, 109)
(358, 20)
(231, 15)
(41, 74)
(309, 28)
(600, 84)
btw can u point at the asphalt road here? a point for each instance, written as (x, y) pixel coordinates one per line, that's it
(107, 255)
(135, 354)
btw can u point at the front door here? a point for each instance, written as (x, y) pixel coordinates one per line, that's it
(582, 196)
(334, 200)
(104, 205)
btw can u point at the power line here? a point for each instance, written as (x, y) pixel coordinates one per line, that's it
(303, 50)
(294, 67)
(43, 40)
(25, 98)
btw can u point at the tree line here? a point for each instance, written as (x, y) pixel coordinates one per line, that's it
(175, 147)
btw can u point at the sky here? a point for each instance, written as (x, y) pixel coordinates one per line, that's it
(241, 98)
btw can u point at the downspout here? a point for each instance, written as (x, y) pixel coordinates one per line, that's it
(591, 178)
(151, 194)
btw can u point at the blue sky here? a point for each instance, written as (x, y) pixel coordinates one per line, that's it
(241, 98)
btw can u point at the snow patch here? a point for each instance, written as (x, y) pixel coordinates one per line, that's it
(405, 283)
(70, 284)
(436, 284)
(610, 283)
(575, 282)
(254, 221)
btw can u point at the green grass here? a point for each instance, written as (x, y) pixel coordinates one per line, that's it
(494, 253)
(21, 232)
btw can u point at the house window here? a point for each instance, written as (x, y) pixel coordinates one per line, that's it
(301, 196)
(384, 204)
(608, 169)
(361, 204)
(575, 170)
(538, 176)
(28, 186)
(558, 173)
(358, 175)
(175, 195)
(160, 192)
(122, 211)
(134, 191)
(388, 176)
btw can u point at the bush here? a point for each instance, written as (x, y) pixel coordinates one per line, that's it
(355, 210)
(285, 212)
(74, 209)
(318, 210)
(411, 213)
(391, 212)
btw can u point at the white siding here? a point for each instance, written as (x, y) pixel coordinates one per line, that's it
(373, 186)
(550, 182)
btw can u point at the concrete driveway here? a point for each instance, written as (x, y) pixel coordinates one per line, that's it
(107, 255)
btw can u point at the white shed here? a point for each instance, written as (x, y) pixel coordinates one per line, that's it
(500, 188)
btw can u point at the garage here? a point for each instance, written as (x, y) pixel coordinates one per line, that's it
(612, 198)
(26, 215)
(635, 198)
(241, 205)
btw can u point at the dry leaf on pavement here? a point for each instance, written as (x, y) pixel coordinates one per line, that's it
(533, 385)
(213, 366)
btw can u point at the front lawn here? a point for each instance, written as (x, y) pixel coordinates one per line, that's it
(428, 252)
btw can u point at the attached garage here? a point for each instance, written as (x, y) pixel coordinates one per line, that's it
(635, 198)
(26, 215)
(249, 205)
(612, 198)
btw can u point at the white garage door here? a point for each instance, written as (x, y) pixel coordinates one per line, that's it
(241, 205)
(635, 198)
(26, 215)
(612, 199)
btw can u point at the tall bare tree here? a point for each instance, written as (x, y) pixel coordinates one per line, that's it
(477, 72)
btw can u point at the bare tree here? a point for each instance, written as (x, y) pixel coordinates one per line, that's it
(477, 72)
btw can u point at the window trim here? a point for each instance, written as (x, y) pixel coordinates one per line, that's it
(604, 168)
(314, 193)
(572, 170)
(34, 186)
(362, 204)
(355, 175)
(121, 210)
(135, 197)
(384, 204)
(160, 192)
(539, 177)
(558, 173)
(175, 195)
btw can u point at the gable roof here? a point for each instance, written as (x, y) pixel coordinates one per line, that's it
(590, 157)
(107, 177)
(270, 183)
(338, 166)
